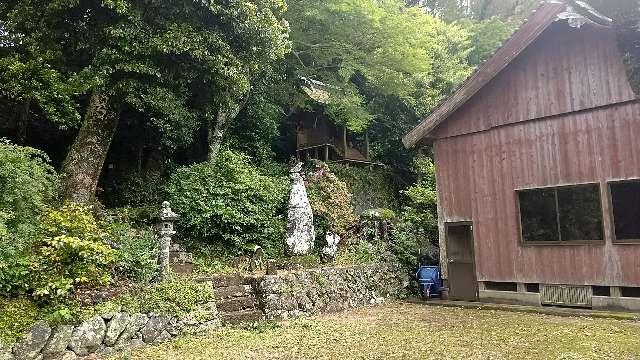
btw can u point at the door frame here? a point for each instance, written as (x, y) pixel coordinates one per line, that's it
(469, 223)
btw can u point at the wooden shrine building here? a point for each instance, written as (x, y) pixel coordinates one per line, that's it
(538, 170)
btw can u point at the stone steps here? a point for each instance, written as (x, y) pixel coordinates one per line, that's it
(235, 298)
(236, 304)
(233, 291)
(239, 317)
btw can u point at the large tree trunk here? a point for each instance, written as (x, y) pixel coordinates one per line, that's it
(23, 123)
(83, 165)
(216, 131)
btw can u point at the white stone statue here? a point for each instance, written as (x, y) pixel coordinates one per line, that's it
(300, 232)
(331, 249)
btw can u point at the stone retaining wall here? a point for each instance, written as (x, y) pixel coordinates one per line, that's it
(107, 333)
(288, 295)
(325, 290)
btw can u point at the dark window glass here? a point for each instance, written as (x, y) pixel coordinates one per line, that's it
(625, 198)
(571, 213)
(580, 213)
(538, 215)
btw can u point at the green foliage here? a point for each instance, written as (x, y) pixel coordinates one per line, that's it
(406, 54)
(404, 246)
(27, 184)
(371, 187)
(229, 204)
(330, 200)
(451, 10)
(421, 212)
(418, 222)
(16, 317)
(174, 296)
(360, 252)
(211, 259)
(486, 37)
(136, 255)
(137, 189)
(176, 62)
(34, 80)
(304, 261)
(70, 254)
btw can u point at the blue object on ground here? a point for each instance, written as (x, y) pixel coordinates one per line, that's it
(429, 280)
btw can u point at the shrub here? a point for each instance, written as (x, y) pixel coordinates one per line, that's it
(137, 253)
(229, 204)
(371, 188)
(418, 223)
(360, 252)
(138, 189)
(17, 316)
(330, 200)
(173, 296)
(71, 254)
(420, 215)
(27, 185)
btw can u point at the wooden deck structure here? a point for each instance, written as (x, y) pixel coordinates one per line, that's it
(318, 138)
(538, 176)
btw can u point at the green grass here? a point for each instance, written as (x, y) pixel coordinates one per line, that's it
(414, 331)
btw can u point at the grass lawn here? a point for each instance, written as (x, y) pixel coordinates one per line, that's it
(412, 331)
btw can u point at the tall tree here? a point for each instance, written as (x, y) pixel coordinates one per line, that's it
(390, 49)
(179, 62)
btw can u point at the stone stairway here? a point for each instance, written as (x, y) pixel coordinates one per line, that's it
(235, 298)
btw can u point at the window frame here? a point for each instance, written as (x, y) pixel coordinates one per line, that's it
(612, 220)
(561, 242)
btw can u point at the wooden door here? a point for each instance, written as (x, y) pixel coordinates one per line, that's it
(463, 284)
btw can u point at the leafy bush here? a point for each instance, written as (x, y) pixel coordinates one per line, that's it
(136, 190)
(360, 252)
(371, 188)
(330, 200)
(27, 184)
(229, 204)
(418, 223)
(71, 253)
(17, 316)
(421, 214)
(173, 296)
(211, 259)
(136, 255)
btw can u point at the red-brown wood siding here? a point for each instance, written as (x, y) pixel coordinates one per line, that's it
(477, 176)
(564, 70)
(561, 113)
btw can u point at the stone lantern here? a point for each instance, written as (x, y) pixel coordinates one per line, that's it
(165, 230)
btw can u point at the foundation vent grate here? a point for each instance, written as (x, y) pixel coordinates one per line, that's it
(566, 295)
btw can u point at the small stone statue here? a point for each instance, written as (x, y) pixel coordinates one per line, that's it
(257, 260)
(331, 249)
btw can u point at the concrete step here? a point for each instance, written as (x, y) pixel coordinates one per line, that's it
(236, 304)
(239, 317)
(233, 291)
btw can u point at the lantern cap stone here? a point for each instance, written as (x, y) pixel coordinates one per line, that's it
(166, 214)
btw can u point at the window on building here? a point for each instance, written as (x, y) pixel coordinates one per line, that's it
(625, 201)
(562, 214)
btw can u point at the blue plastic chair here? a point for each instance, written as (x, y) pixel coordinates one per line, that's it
(429, 280)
